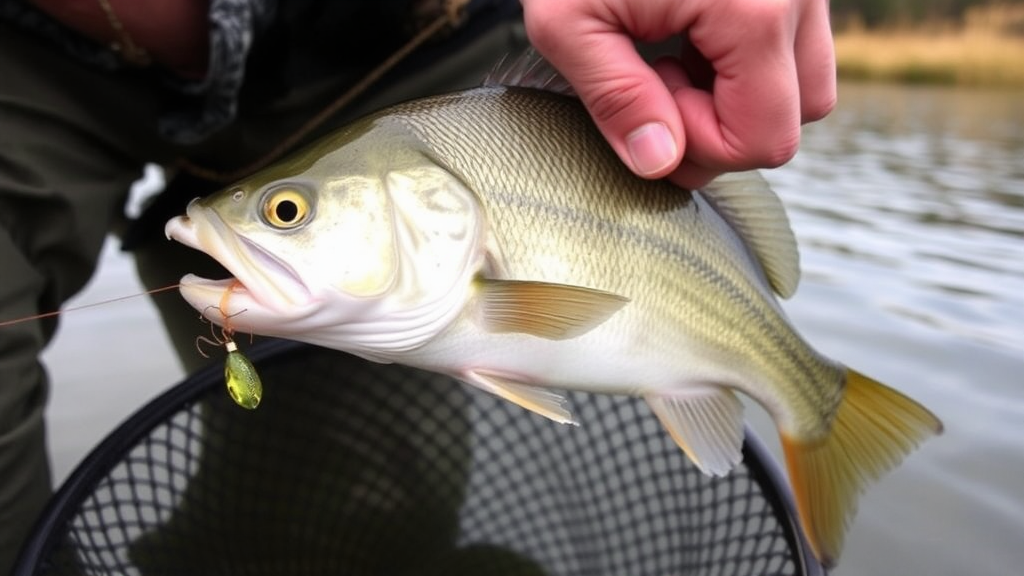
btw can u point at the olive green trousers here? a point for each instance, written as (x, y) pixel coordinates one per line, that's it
(72, 142)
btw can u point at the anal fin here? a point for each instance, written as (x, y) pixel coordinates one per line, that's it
(544, 401)
(707, 423)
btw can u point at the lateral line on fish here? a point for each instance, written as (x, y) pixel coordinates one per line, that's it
(84, 306)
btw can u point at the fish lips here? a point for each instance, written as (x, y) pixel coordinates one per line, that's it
(265, 288)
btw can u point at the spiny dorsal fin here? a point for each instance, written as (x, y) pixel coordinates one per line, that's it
(707, 423)
(552, 311)
(528, 70)
(755, 211)
(544, 401)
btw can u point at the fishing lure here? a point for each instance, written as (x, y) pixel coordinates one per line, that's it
(243, 382)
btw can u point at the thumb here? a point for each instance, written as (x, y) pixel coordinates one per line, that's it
(628, 101)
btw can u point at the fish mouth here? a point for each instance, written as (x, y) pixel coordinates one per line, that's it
(263, 286)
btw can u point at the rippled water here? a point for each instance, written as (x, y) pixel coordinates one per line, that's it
(908, 204)
(909, 207)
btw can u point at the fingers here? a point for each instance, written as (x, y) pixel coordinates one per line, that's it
(630, 104)
(815, 63)
(751, 117)
(678, 74)
(774, 70)
(750, 73)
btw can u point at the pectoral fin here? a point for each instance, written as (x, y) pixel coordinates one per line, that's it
(543, 401)
(707, 423)
(552, 311)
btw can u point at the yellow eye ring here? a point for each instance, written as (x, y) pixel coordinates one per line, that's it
(286, 208)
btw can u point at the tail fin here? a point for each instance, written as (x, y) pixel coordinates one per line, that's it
(874, 428)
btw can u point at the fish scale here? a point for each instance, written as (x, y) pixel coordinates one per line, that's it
(492, 235)
(618, 223)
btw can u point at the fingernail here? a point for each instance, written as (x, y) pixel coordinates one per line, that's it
(651, 147)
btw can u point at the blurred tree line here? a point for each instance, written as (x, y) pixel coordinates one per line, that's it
(882, 13)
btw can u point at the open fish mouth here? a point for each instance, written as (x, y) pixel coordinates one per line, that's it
(262, 284)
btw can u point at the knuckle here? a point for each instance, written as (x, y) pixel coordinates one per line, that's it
(819, 107)
(771, 13)
(779, 153)
(765, 154)
(543, 25)
(769, 23)
(613, 100)
(539, 31)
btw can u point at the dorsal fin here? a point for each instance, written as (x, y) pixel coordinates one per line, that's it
(747, 201)
(528, 70)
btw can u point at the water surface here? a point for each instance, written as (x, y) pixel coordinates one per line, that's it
(909, 207)
(908, 204)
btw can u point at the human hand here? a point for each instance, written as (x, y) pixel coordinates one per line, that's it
(749, 74)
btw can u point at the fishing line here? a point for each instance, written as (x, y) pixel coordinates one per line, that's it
(84, 306)
(243, 382)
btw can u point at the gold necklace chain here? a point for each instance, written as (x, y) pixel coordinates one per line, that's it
(130, 52)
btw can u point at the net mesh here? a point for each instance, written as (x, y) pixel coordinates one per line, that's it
(355, 468)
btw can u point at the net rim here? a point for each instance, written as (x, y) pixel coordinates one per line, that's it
(82, 481)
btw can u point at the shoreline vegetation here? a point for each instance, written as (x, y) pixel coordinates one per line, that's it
(985, 47)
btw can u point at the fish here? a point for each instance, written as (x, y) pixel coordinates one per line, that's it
(492, 235)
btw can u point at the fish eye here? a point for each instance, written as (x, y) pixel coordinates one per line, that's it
(286, 208)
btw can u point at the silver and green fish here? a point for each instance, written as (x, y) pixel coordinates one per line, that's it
(492, 235)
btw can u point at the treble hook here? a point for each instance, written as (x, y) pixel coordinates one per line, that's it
(243, 382)
(214, 340)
